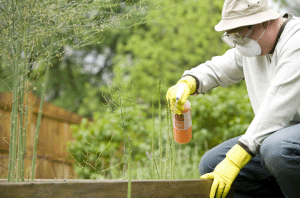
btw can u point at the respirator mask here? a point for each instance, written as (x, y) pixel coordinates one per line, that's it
(246, 46)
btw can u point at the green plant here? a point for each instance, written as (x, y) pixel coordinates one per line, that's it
(34, 36)
(219, 115)
(96, 143)
(130, 121)
(41, 109)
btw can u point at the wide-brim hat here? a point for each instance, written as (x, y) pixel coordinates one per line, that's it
(238, 13)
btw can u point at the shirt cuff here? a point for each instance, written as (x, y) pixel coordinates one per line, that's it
(246, 148)
(197, 82)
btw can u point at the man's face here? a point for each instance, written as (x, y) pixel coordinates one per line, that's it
(252, 32)
(241, 30)
(237, 36)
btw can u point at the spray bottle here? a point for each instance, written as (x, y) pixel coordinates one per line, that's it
(182, 124)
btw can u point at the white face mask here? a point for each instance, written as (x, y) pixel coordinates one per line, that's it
(251, 47)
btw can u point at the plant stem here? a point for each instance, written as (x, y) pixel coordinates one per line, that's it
(41, 109)
(24, 135)
(152, 138)
(173, 152)
(167, 146)
(24, 91)
(159, 120)
(156, 169)
(129, 170)
(172, 146)
(15, 120)
(123, 126)
(20, 144)
(14, 116)
(21, 83)
(170, 139)
(13, 135)
(23, 123)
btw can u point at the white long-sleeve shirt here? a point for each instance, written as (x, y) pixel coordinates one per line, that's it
(273, 84)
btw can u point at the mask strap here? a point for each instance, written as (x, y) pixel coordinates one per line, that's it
(264, 31)
(261, 35)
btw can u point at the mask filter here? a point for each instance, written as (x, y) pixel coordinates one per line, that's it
(250, 49)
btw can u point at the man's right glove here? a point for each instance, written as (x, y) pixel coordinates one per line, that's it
(190, 85)
(226, 171)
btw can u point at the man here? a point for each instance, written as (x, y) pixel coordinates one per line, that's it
(265, 161)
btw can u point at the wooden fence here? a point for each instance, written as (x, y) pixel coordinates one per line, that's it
(53, 160)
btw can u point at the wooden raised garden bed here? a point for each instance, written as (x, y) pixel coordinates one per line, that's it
(76, 188)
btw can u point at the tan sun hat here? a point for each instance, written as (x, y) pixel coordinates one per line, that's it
(238, 13)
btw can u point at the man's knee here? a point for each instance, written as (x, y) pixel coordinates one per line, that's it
(210, 160)
(269, 152)
(276, 154)
(215, 155)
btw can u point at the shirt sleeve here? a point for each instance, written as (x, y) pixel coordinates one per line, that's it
(220, 71)
(282, 99)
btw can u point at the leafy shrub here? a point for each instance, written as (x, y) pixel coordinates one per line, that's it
(99, 145)
(219, 115)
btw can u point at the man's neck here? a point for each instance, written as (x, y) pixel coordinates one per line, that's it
(275, 30)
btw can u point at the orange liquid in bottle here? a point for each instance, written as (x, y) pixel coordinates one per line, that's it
(182, 125)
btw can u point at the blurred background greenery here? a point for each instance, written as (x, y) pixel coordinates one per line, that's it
(109, 58)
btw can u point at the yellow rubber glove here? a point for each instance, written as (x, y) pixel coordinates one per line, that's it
(227, 170)
(190, 87)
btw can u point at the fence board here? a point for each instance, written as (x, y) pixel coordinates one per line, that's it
(108, 189)
(4, 128)
(54, 134)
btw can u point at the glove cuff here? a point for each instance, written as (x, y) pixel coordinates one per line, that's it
(191, 83)
(238, 156)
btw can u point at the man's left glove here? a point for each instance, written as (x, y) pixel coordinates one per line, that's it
(226, 171)
(190, 87)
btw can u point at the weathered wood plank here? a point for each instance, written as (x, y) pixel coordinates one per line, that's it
(53, 159)
(107, 189)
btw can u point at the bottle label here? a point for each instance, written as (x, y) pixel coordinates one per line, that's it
(183, 121)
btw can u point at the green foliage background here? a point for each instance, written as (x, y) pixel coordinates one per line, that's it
(178, 36)
(143, 42)
(222, 114)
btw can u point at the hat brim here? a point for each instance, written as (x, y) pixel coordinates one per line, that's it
(256, 18)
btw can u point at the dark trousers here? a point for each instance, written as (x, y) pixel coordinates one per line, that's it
(274, 172)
